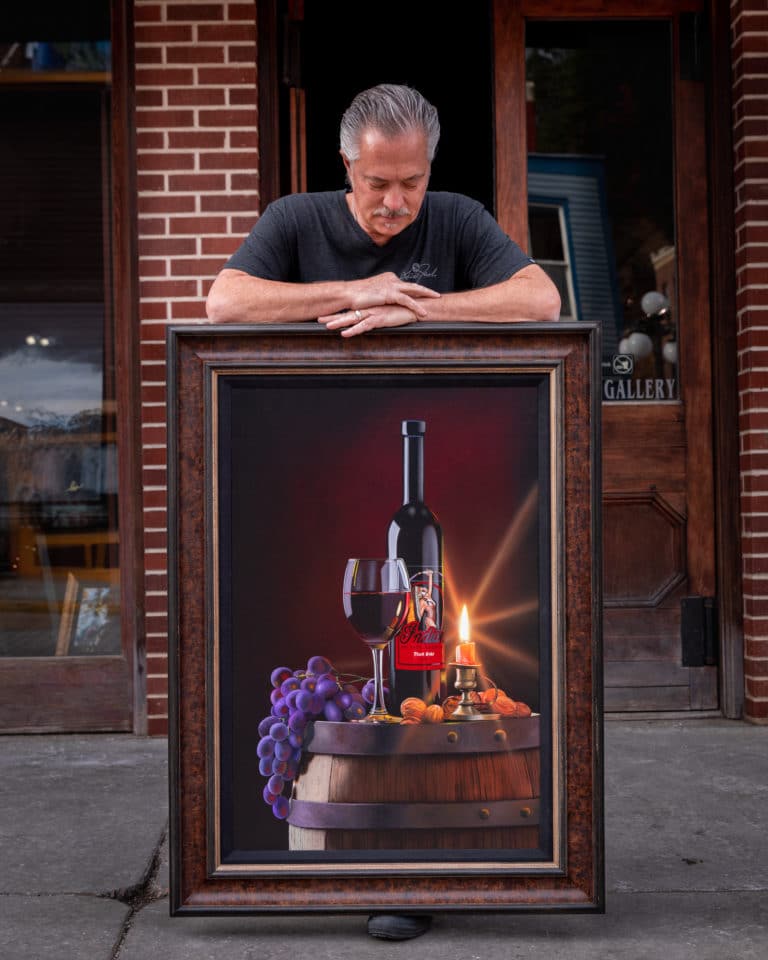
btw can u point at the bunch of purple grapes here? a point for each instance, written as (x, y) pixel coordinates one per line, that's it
(317, 692)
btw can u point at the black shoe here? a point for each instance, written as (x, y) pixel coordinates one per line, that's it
(397, 926)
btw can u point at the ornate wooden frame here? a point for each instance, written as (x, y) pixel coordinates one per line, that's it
(565, 358)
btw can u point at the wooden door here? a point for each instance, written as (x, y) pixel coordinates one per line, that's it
(658, 499)
(658, 508)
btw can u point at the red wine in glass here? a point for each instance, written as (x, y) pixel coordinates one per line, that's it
(375, 597)
(375, 615)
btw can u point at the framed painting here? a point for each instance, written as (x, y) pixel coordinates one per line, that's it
(90, 618)
(385, 610)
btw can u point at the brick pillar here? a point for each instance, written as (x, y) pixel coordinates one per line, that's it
(196, 162)
(749, 24)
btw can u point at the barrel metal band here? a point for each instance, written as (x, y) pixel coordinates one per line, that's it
(385, 739)
(414, 816)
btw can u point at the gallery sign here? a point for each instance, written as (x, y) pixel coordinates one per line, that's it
(646, 388)
(622, 382)
(385, 608)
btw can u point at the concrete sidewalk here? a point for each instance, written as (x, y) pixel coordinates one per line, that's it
(83, 823)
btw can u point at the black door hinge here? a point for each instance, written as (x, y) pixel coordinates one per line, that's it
(698, 631)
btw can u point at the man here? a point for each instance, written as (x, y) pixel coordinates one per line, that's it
(385, 252)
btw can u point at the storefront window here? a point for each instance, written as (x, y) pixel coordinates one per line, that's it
(600, 182)
(59, 582)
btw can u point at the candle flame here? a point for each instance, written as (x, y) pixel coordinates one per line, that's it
(464, 625)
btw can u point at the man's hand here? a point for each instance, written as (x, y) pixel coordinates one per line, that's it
(381, 301)
(352, 322)
(387, 289)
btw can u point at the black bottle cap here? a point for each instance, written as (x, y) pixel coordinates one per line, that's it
(414, 428)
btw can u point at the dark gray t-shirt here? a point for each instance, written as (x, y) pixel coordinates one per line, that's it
(454, 244)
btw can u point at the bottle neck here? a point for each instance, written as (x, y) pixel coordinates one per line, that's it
(413, 469)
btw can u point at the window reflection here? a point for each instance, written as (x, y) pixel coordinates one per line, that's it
(600, 155)
(85, 56)
(59, 583)
(549, 236)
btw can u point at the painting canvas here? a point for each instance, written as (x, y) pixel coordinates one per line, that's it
(311, 473)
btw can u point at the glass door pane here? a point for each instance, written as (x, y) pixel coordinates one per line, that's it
(600, 190)
(59, 578)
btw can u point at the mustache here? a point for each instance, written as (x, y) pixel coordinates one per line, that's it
(390, 214)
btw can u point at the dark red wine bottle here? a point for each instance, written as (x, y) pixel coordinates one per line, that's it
(416, 651)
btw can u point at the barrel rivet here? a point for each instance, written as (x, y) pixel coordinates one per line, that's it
(452, 737)
(500, 735)
(525, 812)
(484, 813)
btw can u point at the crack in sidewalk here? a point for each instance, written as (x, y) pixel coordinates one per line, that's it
(137, 896)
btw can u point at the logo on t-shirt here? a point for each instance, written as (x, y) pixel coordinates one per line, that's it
(418, 272)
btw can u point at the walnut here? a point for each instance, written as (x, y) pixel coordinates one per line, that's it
(412, 708)
(433, 714)
(449, 705)
(504, 706)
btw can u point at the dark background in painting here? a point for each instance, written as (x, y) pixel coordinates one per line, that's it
(313, 475)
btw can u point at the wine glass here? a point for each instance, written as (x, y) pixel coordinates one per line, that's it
(375, 596)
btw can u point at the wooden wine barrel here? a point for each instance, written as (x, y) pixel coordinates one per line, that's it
(472, 785)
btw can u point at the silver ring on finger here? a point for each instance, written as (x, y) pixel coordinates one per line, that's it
(358, 315)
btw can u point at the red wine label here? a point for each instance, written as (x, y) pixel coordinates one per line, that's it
(417, 649)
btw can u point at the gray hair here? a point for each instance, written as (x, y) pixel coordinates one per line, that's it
(391, 109)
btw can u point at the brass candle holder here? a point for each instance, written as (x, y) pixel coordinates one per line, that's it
(465, 683)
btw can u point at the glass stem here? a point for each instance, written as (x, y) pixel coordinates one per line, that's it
(378, 685)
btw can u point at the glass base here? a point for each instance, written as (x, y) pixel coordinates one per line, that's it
(380, 718)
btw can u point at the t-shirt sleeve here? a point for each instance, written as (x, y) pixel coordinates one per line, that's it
(489, 255)
(267, 250)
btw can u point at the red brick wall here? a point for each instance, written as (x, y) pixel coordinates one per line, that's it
(196, 161)
(749, 19)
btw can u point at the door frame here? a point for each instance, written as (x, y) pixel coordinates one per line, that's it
(728, 552)
(125, 296)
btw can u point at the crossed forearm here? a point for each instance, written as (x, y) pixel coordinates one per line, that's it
(384, 300)
(236, 297)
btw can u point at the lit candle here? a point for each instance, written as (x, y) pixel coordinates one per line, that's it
(465, 651)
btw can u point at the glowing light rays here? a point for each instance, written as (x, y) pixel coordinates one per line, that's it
(509, 542)
(490, 644)
(519, 610)
(480, 619)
